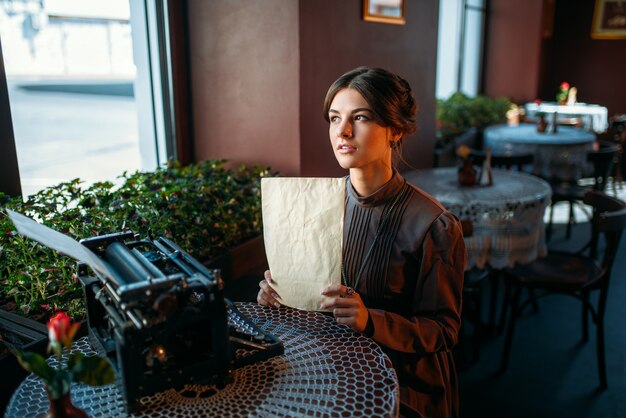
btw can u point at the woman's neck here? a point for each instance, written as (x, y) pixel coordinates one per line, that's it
(365, 183)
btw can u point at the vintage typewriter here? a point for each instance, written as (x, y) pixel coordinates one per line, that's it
(161, 319)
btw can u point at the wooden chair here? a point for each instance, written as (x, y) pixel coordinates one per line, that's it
(506, 160)
(574, 274)
(603, 161)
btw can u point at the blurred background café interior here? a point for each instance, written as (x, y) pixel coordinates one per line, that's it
(92, 89)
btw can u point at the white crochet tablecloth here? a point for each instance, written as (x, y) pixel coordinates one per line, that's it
(507, 216)
(327, 370)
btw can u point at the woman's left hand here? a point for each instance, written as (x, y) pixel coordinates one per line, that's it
(348, 308)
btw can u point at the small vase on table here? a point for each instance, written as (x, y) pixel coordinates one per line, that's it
(63, 407)
(76, 367)
(541, 123)
(467, 173)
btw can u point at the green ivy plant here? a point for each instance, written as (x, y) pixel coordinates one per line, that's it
(205, 208)
(458, 113)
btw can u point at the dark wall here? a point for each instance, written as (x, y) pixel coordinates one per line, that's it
(596, 67)
(244, 82)
(333, 40)
(528, 59)
(513, 50)
(260, 71)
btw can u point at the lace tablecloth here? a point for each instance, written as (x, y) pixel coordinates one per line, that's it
(561, 155)
(327, 370)
(507, 216)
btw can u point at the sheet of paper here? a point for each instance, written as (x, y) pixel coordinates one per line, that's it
(303, 233)
(57, 241)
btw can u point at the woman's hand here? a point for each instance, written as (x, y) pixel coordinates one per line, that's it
(267, 296)
(347, 306)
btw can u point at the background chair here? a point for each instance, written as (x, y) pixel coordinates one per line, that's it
(574, 274)
(603, 161)
(507, 160)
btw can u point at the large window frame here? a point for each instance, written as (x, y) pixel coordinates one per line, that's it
(164, 128)
(9, 170)
(460, 50)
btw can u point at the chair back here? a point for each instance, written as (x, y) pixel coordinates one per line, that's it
(505, 160)
(603, 161)
(609, 219)
(468, 138)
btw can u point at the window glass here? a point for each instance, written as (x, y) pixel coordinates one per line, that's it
(70, 75)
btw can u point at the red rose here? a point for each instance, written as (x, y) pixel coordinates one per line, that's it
(565, 85)
(61, 330)
(94, 371)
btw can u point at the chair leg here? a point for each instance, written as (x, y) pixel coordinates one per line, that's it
(511, 329)
(601, 355)
(478, 326)
(506, 305)
(570, 221)
(494, 278)
(585, 316)
(533, 299)
(549, 229)
(600, 338)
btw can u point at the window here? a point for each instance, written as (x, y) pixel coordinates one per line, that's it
(460, 47)
(88, 90)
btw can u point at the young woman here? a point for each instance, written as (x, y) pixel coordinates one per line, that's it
(404, 254)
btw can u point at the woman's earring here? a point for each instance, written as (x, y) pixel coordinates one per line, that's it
(393, 144)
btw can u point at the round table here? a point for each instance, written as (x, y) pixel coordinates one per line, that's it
(561, 155)
(326, 370)
(507, 217)
(595, 117)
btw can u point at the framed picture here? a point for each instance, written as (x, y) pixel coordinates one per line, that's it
(609, 20)
(385, 11)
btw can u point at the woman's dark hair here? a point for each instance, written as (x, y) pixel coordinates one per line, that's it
(388, 95)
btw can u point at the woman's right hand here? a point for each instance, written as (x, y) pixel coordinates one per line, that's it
(267, 296)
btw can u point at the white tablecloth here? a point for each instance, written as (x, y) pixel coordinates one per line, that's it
(507, 216)
(594, 117)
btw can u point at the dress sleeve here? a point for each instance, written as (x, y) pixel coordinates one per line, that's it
(436, 307)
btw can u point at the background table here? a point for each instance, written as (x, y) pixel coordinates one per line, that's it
(561, 155)
(507, 216)
(326, 370)
(594, 117)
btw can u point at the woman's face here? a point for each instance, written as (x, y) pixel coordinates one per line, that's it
(358, 140)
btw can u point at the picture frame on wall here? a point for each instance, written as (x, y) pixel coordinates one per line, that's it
(384, 11)
(609, 20)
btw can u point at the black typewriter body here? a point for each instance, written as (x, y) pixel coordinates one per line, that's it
(162, 319)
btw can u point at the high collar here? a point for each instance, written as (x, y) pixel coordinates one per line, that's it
(380, 196)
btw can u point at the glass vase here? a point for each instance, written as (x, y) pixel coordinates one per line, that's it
(467, 173)
(64, 408)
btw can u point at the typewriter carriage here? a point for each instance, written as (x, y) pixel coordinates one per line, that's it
(162, 326)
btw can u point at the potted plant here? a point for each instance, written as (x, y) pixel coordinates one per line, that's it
(214, 213)
(205, 208)
(460, 116)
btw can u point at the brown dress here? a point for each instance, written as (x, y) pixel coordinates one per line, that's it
(409, 273)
